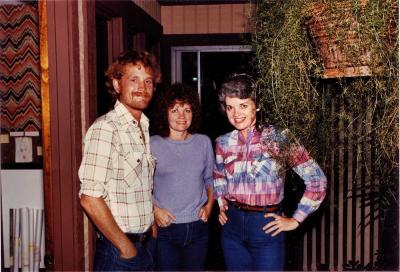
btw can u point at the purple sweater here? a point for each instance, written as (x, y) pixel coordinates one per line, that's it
(182, 175)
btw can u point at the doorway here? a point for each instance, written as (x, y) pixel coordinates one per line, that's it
(204, 68)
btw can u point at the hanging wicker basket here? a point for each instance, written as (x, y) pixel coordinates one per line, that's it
(337, 36)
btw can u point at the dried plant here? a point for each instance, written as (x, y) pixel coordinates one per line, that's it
(296, 94)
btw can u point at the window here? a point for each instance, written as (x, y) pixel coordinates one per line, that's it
(204, 68)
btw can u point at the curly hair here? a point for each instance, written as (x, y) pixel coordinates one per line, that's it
(116, 69)
(176, 93)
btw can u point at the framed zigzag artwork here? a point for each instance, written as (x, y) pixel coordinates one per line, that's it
(19, 78)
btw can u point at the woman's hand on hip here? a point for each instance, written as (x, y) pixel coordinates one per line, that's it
(205, 212)
(279, 224)
(222, 215)
(163, 217)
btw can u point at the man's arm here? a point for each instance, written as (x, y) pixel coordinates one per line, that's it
(101, 216)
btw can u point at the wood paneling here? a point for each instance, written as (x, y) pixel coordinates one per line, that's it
(201, 19)
(178, 19)
(152, 7)
(207, 19)
(44, 88)
(115, 38)
(190, 25)
(226, 19)
(214, 22)
(63, 137)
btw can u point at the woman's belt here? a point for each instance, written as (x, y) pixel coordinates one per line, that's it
(251, 208)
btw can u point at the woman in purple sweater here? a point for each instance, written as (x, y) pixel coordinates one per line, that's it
(182, 194)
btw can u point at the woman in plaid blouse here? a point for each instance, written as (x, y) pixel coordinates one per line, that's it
(248, 182)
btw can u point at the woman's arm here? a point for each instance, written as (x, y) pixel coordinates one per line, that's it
(315, 182)
(220, 183)
(205, 211)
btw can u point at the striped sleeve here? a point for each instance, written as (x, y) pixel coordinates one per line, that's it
(314, 179)
(220, 183)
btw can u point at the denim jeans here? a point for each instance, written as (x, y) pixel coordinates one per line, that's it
(107, 257)
(246, 246)
(182, 246)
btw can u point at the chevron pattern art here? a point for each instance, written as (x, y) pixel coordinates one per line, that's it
(19, 68)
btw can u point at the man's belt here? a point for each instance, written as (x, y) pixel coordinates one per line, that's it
(251, 208)
(139, 237)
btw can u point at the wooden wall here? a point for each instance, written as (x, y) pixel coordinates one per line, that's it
(207, 19)
(152, 7)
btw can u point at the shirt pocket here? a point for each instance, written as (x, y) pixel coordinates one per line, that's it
(229, 165)
(132, 163)
(262, 166)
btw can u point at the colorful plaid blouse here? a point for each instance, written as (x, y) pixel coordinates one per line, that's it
(248, 170)
(117, 166)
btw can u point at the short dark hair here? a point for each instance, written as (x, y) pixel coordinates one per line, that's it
(237, 85)
(116, 69)
(176, 93)
(241, 86)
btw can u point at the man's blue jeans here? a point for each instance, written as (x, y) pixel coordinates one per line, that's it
(246, 246)
(182, 246)
(107, 257)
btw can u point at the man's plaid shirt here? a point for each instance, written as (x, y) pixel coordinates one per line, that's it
(117, 165)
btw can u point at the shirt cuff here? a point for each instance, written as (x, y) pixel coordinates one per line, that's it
(221, 201)
(93, 191)
(299, 216)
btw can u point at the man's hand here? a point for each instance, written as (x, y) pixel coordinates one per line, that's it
(280, 224)
(98, 211)
(163, 217)
(127, 250)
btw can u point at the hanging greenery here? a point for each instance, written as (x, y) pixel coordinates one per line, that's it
(330, 68)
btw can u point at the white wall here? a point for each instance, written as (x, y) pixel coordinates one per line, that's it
(19, 189)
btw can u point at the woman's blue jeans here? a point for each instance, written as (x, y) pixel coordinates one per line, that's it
(246, 246)
(182, 246)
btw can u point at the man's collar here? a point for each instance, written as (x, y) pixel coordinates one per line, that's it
(125, 117)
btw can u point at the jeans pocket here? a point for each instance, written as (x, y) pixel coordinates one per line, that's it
(131, 260)
(165, 234)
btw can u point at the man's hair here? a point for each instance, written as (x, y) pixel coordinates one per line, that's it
(237, 85)
(116, 69)
(176, 93)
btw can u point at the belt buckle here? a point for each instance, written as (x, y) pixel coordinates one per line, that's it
(143, 238)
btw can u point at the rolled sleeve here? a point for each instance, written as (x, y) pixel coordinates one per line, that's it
(96, 166)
